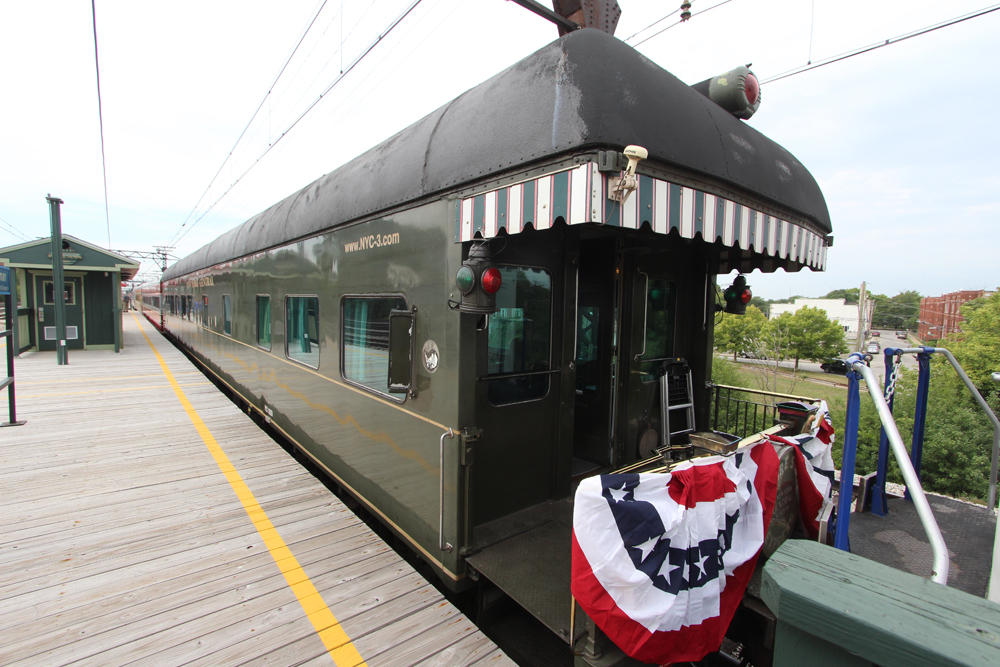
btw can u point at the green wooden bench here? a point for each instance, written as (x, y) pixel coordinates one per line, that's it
(838, 609)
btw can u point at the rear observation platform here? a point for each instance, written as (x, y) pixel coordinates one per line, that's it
(148, 521)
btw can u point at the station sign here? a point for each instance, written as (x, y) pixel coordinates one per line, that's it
(4, 281)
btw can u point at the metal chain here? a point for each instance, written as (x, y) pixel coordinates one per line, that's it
(891, 389)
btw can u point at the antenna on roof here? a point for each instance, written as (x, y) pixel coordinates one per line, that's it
(572, 15)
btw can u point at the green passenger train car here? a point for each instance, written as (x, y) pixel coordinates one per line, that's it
(336, 313)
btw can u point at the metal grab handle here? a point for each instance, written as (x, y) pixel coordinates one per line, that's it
(939, 570)
(444, 545)
(645, 314)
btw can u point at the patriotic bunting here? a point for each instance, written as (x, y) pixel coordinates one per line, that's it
(813, 467)
(661, 561)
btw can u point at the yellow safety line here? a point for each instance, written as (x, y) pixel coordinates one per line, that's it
(326, 624)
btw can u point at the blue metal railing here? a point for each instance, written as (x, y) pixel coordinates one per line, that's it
(879, 500)
(859, 370)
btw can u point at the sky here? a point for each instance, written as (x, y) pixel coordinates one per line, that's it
(902, 140)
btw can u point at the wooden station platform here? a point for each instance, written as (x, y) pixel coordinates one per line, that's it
(131, 534)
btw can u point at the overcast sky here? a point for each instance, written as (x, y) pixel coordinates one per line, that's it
(902, 140)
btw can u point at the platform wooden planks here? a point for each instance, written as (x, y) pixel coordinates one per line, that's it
(122, 542)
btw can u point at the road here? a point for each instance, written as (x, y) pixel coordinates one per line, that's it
(885, 339)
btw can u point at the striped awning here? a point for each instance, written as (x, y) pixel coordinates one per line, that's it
(579, 196)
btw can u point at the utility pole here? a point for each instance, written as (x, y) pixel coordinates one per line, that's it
(862, 311)
(161, 254)
(58, 282)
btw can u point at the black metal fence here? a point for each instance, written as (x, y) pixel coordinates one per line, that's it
(743, 412)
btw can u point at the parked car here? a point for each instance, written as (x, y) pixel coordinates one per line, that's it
(874, 347)
(901, 335)
(838, 366)
(876, 334)
(753, 355)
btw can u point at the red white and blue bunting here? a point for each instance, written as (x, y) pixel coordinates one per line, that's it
(661, 561)
(579, 196)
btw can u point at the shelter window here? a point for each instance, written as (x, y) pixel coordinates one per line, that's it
(49, 297)
(661, 310)
(227, 315)
(264, 321)
(22, 288)
(302, 330)
(520, 336)
(365, 354)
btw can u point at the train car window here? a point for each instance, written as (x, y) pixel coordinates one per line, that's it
(661, 307)
(204, 310)
(227, 315)
(365, 354)
(519, 336)
(302, 330)
(190, 307)
(264, 321)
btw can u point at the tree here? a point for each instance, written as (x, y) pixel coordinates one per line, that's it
(764, 306)
(850, 295)
(738, 333)
(812, 335)
(899, 312)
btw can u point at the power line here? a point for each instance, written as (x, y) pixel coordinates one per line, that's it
(879, 45)
(655, 34)
(100, 117)
(271, 145)
(13, 230)
(656, 22)
(270, 88)
(340, 109)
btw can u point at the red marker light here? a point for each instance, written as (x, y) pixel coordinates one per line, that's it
(752, 89)
(491, 280)
(745, 296)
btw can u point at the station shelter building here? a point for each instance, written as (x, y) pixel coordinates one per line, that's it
(93, 278)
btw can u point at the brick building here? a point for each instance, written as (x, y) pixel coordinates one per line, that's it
(941, 315)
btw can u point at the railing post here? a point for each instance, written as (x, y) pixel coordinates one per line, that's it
(715, 424)
(841, 540)
(920, 415)
(880, 502)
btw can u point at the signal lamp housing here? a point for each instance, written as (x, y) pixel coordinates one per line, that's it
(478, 281)
(737, 91)
(737, 296)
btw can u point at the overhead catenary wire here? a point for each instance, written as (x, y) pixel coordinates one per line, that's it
(340, 77)
(878, 45)
(656, 34)
(100, 117)
(260, 106)
(340, 107)
(13, 230)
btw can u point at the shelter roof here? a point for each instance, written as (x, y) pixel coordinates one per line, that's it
(81, 256)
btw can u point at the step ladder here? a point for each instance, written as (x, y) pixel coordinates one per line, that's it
(676, 400)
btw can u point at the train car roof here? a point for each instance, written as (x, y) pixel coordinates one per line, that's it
(584, 91)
